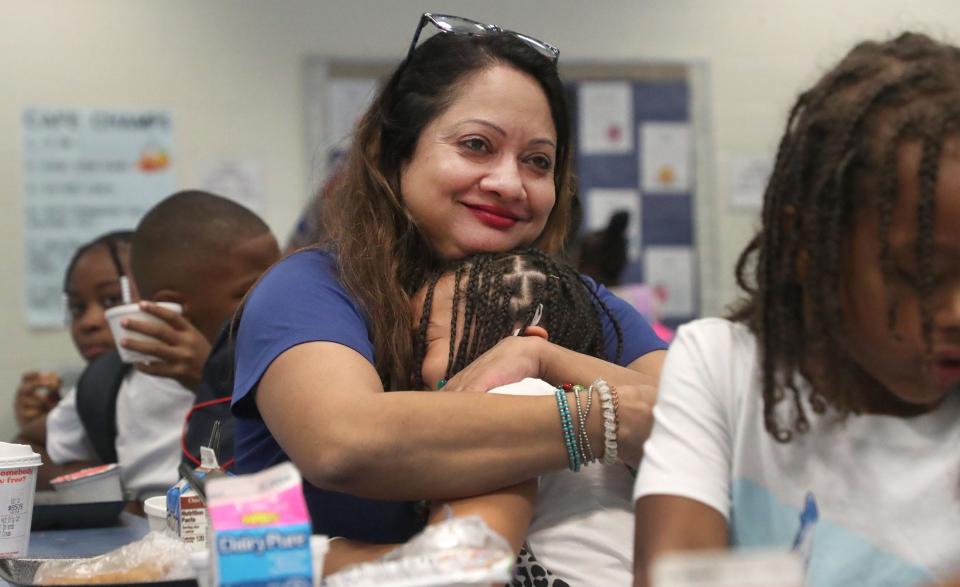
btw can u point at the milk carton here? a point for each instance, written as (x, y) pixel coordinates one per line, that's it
(186, 514)
(261, 529)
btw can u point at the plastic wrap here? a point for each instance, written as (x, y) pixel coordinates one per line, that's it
(456, 552)
(155, 557)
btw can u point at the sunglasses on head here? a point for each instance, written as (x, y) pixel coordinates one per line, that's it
(457, 25)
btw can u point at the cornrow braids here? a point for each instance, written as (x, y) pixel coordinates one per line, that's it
(495, 292)
(111, 240)
(850, 126)
(420, 350)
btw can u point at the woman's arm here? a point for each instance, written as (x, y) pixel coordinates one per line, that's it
(667, 523)
(650, 364)
(324, 404)
(558, 365)
(554, 364)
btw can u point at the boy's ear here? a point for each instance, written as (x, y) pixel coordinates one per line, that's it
(170, 295)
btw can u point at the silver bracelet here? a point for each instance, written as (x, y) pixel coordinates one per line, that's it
(586, 451)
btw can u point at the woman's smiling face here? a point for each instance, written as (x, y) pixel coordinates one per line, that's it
(481, 178)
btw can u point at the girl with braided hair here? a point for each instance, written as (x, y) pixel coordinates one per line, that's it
(831, 393)
(575, 528)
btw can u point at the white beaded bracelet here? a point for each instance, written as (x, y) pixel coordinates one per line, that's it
(609, 421)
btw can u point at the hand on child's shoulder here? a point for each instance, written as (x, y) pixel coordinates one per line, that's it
(182, 350)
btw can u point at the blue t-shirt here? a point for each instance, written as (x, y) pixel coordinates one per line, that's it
(302, 300)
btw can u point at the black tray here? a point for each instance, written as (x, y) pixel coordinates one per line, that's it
(63, 516)
(20, 571)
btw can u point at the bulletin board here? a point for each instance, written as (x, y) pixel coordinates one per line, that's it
(635, 151)
(637, 140)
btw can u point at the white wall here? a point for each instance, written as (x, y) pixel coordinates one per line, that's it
(229, 72)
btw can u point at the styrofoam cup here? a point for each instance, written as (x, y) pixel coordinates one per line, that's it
(117, 313)
(18, 481)
(90, 485)
(200, 563)
(156, 509)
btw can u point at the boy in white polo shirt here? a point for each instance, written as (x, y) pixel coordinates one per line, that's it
(203, 252)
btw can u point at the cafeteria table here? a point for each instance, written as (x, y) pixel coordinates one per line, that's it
(85, 542)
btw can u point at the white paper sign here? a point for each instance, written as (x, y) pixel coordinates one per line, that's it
(606, 117)
(348, 98)
(85, 172)
(240, 180)
(671, 271)
(747, 180)
(665, 157)
(603, 203)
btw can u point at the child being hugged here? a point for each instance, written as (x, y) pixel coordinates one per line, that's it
(575, 527)
(824, 414)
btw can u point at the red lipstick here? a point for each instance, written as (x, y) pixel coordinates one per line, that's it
(493, 216)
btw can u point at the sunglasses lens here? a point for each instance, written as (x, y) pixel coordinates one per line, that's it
(548, 51)
(457, 25)
(462, 26)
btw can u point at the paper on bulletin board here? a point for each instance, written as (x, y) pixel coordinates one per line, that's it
(347, 99)
(603, 203)
(665, 157)
(747, 177)
(85, 172)
(240, 180)
(606, 117)
(670, 272)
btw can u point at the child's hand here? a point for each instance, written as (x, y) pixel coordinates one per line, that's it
(37, 394)
(181, 349)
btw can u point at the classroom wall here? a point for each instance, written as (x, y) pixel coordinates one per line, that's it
(229, 71)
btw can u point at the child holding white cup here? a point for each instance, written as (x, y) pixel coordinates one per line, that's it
(194, 256)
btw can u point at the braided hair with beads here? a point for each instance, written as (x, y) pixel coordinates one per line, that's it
(850, 126)
(496, 292)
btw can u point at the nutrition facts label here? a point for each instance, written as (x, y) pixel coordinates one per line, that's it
(10, 525)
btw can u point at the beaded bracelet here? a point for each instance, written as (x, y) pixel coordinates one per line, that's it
(583, 448)
(586, 451)
(566, 422)
(586, 416)
(616, 406)
(609, 421)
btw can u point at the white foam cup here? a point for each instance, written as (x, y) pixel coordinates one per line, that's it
(200, 563)
(117, 313)
(18, 481)
(156, 509)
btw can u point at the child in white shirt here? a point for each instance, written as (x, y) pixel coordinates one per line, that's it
(575, 527)
(201, 251)
(825, 414)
